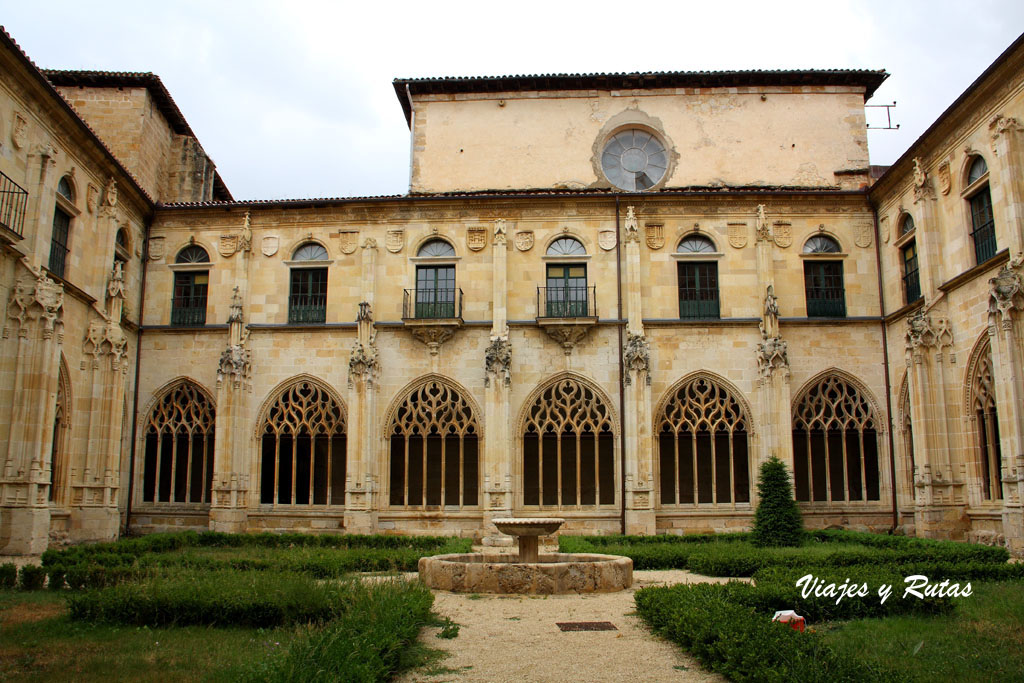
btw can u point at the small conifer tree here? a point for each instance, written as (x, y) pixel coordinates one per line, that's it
(777, 521)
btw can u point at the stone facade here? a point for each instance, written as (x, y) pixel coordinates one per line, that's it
(517, 338)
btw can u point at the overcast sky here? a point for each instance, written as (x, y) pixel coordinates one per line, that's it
(295, 99)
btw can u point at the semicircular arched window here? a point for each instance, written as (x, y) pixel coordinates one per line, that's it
(703, 447)
(434, 452)
(835, 444)
(436, 249)
(177, 465)
(303, 448)
(310, 251)
(821, 244)
(65, 190)
(568, 449)
(188, 307)
(566, 246)
(634, 160)
(983, 227)
(977, 170)
(907, 224)
(696, 244)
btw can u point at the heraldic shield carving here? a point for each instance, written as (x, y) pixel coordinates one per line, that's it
(524, 240)
(738, 235)
(476, 238)
(270, 245)
(783, 234)
(347, 241)
(655, 236)
(606, 239)
(395, 240)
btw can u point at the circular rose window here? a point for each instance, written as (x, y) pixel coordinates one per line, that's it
(634, 160)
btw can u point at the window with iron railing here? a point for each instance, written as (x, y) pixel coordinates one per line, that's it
(984, 228)
(698, 290)
(911, 279)
(436, 295)
(59, 242)
(823, 282)
(566, 293)
(13, 202)
(189, 305)
(307, 297)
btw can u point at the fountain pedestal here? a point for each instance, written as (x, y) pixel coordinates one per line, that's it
(528, 533)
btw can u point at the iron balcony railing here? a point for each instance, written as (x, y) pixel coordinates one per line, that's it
(188, 315)
(307, 308)
(704, 306)
(826, 302)
(912, 286)
(566, 302)
(13, 202)
(984, 241)
(432, 303)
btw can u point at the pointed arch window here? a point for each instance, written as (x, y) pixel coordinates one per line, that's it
(434, 450)
(303, 448)
(907, 429)
(985, 416)
(178, 460)
(58, 451)
(568, 449)
(702, 446)
(835, 444)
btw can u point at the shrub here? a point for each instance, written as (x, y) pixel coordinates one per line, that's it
(32, 577)
(8, 575)
(224, 598)
(777, 520)
(56, 581)
(367, 642)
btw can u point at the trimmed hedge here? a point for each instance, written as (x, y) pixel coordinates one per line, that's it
(248, 599)
(367, 642)
(8, 575)
(729, 636)
(31, 578)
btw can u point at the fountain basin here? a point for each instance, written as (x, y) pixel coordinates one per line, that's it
(553, 574)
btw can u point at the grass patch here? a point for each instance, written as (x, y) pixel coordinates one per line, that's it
(983, 640)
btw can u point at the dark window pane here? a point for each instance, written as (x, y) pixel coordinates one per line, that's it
(698, 290)
(826, 296)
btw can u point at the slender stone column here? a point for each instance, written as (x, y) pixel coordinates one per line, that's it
(361, 487)
(636, 411)
(498, 496)
(32, 336)
(1006, 134)
(926, 231)
(1006, 328)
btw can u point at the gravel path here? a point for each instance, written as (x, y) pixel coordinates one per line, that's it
(514, 638)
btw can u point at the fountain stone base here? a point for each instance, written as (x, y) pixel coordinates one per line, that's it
(552, 574)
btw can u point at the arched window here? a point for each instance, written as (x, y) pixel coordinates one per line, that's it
(60, 238)
(303, 448)
(907, 429)
(178, 461)
(698, 280)
(823, 279)
(58, 451)
(985, 416)
(434, 440)
(835, 444)
(307, 293)
(911, 272)
(566, 294)
(907, 224)
(121, 247)
(702, 446)
(436, 295)
(568, 449)
(188, 307)
(983, 229)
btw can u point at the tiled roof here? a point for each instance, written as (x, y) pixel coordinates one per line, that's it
(136, 79)
(513, 194)
(869, 79)
(5, 39)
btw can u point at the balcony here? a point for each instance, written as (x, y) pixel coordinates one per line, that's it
(13, 202)
(567, 313)
(432, 314)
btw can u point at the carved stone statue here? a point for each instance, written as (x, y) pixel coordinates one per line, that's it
(636, 356)
(772, 355)
(500, 235)
(498, 360)
(245, 239)
(115, 287)
(1006, 295)
(364, 362)
(770, 320)
(110, 194)
(632, 227)
(763, 233)
(235, 315)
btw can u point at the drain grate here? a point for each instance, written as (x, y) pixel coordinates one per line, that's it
(586, 625)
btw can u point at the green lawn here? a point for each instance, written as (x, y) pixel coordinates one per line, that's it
(982, 640)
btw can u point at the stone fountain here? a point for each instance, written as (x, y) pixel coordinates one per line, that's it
(529, 572)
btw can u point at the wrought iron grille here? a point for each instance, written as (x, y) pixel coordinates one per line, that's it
(911, 276)
(984, 232)
(432, 303)
(13, 201)
(698, 290)
(566, 302)
(189, 304)
(307, 299)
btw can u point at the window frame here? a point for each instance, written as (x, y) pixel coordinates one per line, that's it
(701, 305)
(820, 305)
(187, 272)
(979, 191)
(911, 278)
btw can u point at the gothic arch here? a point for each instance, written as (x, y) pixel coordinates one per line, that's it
(302, 444)
(838, 447)
(982, 416)
(177, 438)
(730, 388)
(567, 433)
(59, 450)
(703, 429)
(434, 443)
(905, 428)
